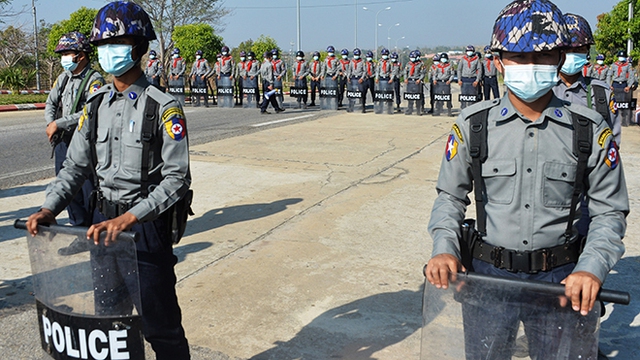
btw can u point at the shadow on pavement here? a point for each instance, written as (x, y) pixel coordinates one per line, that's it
(8, 232)
(21, 190)
(183, 250)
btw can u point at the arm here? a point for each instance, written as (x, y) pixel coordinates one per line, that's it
(53, 100)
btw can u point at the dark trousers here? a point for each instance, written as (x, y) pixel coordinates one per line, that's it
(78, 209)
(302, 84)
(161, 314)
(315, 87)
(200, 84)
(239, 94)
(622, 96)
(342, 85)
(369, 85)
(490, 84)
(272, 99)
(396, 89)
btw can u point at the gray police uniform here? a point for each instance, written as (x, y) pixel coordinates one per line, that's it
(118, 168)
(469, 71)
(490, 78)
(599, 72)
(199, 69)
(279, 70)
(153, 71)
(177, 68)
(330, 67)
(355, 72)
(253, 70)
(301, 69)
(441, 75)
(315, 71)
(620, 76)
(60, 103)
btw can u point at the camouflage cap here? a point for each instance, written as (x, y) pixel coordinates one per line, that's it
(73, 41)
(529, 26)
(579, 30)
(121, 18)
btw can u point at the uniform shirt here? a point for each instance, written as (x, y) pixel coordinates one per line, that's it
(443, 72)
(370, 68)
(315, 69)
(253, 68)
(177, 67)
(529, 175)
(489, 67)
(586, 70)
(67, 96)
(396, 70)
(226, 65)
(330, 67)
(621, 72)
(200, 68)
(266, 71)
(414, 70)
(384, 70)
(599, 72)
(279, 68)
(356, 69)
(154, 68)
(469, 67)
(577, 94)
(119, 150)
(300, 69)
(344, 67)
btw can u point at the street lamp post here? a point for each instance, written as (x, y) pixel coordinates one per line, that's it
(402, 38)
(389, 35)
(35, 35)
(376, 28)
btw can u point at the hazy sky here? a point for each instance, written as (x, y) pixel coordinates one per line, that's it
(324, 22)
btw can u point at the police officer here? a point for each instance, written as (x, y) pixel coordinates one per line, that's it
(153, 71)
(443, 76)
(315, 72)
(432, 74)
(253, 70)
(114, 143)
(344, 74)
(357, 72)
(64, 106)
(200, 71)
(469, 74)
(384, 70)
(240, 75)
(177, 67)
(268, 89)
(279, 72)
(600, 70)
(622, 78)
(370, 68)
(300, 73)
(331, 66)
(396, 72)
(530, 141)
(226, 67)
(586, 70)
(489, 75)
(415, 72)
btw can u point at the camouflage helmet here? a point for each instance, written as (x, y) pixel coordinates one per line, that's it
(344, 52)
(73, 41)
(529, 26)
(384, 51)
(176, 51)
(243, 53)
(369, 54)
(331, 49)
(199, 52)
(357, 52)
(436, 57)
(470, 48)
(600, 57)
(251, 54)
(394, 55)
(316, 53)
(121, 18)
(153, 52)
(579, 30)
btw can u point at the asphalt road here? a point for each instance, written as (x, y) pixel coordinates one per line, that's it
(25, 152)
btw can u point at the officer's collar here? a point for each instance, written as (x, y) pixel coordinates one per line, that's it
(555, 111)
(81, 74)
(132, 93)
(580, 82)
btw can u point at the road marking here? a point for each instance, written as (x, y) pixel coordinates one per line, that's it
(25, 172)
(283, 120)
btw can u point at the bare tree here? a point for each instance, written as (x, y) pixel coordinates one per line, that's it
(12, 46)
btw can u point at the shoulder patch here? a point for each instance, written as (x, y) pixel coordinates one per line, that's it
(458, 133)
(612, 104)
(174, 123)
(83, 118)
(452, 148)
(95, 86)
(613, 157)
(604, 135)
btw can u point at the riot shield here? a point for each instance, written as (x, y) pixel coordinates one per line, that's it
(249, 92)
(354, 94)
(414, 95)
(483, 317)
(329, 94)
(277, 84)
(225, 92)
(383, 101)
(88, 304)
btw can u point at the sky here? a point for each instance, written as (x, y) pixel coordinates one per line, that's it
(423, 23)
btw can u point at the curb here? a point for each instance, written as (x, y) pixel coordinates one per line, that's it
(16, 107)
(24, 92)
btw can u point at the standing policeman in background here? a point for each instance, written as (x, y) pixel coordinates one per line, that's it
(489, 75)
(241, 74)
(443, 76)
(177, 67)
(431, 75)
(331, 65)
(279, 73)
(622, 78)
(599, 71)
(153, 71)
(415, 72)
(226, 67)
(469, 74)
(344, 75)
(357, 72)
(300, 73)
(107, 143)
(253, 70)
(63, 110)
(526, 175)
(200, 71)
(396, 74)
(315, 71)
(371, 76)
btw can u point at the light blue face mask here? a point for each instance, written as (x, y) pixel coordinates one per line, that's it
(115, 58)
(574, 63)
(530, 82)
(67, 62)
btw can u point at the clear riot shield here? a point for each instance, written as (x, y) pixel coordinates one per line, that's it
(483, 317)
(414, 96)
(277, 84)
(329, 94)
(225, 92)
(249, 92)
(383, 102)
(354, 94)
(87, 303)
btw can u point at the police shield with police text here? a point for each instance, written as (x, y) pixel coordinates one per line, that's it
(177, 68)
(200, 71)
(414, 74)
(623, 80)
(357, 75)
(469, 76)
(330, 79)
(225, 68)
(441, 81)
(384, 79)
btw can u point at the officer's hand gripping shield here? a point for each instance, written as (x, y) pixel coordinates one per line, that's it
(414, 95)
(482, 317)
(225, 92)
(249, 92)
(329, 94)
(383, 101)
(88, 300)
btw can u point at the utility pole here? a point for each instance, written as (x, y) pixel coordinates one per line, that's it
(35, 36)
(356, 31)
(299, 46)
(630, 41)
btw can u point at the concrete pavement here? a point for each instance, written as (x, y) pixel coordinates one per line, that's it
(308, 243)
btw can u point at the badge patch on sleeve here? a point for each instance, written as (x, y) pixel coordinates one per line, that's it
(612, 104)
(174, 123)
(604, 135)
(82, 119)
(456, 129)
(95, 86)
(452, 148)
(613, 158)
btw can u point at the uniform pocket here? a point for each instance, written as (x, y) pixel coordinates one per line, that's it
(103, 148)
(132, 151)
(499, 180)
(558, 184)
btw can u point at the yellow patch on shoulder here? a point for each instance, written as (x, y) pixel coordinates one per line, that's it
(172, 112)
(83, 118)
(603, 136)
(95, 86)
(456, 130)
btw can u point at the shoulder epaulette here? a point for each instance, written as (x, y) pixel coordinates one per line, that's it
(469, 111)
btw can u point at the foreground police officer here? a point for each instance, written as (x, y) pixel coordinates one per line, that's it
(62, 112)
(177, 67)
(153, 71)
(525, 189)
(115, 144)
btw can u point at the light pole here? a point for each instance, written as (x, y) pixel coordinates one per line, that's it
(389, 35)
(35, 34)
(356, 32)
(402, 38)
(376, 28)
(299, 46)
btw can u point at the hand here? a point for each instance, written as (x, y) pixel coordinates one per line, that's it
(270, 87)
(435, 82)
(360, 81)
(460, 83)
(253, 77)
(406, 81)
(202, 77)
(627, 89)
(231, 78)
(377, 81)
(448, 82)
(475, 84)
(582, 289)
(418, 82)
(44, 216)
(52, 128)
(279, 77)
(440, 267)
(390, 81)
(335, 77)
(113, 228)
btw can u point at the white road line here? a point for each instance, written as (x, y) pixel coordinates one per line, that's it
(25, 172)
(283, 120)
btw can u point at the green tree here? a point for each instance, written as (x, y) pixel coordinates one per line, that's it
(612, 34)
(80, 20)
(243, 46)
(192, 37)
(264, 44)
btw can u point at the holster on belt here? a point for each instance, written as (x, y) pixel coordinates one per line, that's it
(469, 236)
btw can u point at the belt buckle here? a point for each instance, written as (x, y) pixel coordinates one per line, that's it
(549, 260)
(496, 256)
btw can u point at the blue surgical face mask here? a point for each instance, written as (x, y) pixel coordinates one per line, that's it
(530, 82)
(330, 54)
(469, 53)
(574, 63)
(622, 59)
(316, 58)
(600, 62)
(385, 57)
(412, 59)
(67, 62)
(444, 61)
(115, 58)
(175, 56)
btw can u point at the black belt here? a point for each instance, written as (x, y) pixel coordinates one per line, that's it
(384, 78)
(621, 82)
(444, 81)
(226, 74)
(489, 77)
(112, 209)
(529, 262)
